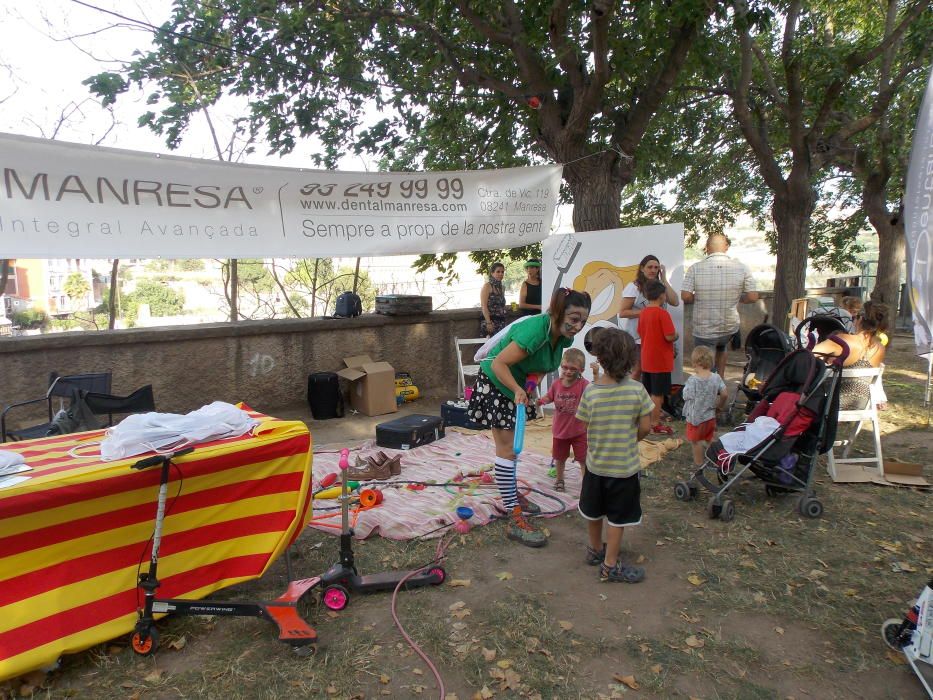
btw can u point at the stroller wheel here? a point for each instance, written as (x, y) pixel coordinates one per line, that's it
(683, 492)
(727, 514)
(713, 509)
(891, 633)
(809, 507)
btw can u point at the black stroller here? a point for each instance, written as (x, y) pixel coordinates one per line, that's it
(817, 327)
(765, 347)
(796, 419)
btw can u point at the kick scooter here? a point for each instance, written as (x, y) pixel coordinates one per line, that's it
(913, 636)
(282, 611)
(342, 578)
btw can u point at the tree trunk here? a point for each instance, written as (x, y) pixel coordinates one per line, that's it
(891, 243)
(791, 214)
(5, 268)
(317, 262)
(596, 185)
(112, 301)
(891, 255)
(234, 287)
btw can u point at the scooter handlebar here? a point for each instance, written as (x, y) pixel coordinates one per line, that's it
(160, 459)
(344, 462)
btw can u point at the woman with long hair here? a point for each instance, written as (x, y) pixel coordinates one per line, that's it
(866, 350)
(533, 346)
(492, 302)
(634, 300)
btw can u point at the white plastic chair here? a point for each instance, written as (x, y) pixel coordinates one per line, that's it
(867, 414)
(469, 345)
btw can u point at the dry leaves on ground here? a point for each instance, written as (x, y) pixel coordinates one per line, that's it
(626, 680)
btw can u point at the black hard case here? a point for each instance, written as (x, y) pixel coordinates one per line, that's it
(458, 416)
(409, 431)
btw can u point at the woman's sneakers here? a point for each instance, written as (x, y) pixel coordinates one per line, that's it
(620, 573)
(523, 531)
(661, 429)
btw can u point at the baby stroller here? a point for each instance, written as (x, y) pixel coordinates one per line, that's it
(765, 347)
(817, 327)
(792, 424)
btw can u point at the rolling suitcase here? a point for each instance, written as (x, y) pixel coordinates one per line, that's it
(324, 397)
(409, 431)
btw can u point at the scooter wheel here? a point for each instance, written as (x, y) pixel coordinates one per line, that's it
(439, 573)
(891, 633)
(336, 597)
(148, 646)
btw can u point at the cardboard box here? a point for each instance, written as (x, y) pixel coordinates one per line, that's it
(372, 385)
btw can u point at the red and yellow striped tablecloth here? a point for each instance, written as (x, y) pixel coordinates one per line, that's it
(72, 536)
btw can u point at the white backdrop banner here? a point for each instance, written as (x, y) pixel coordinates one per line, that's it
(604, 262)
(918, 208)
(61, 200)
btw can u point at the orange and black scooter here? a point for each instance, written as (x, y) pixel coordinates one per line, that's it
(282, 612)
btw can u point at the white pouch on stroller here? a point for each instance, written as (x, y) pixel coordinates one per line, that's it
(167, 432)
(740, 441)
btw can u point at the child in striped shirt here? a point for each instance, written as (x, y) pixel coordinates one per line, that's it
(617, 411)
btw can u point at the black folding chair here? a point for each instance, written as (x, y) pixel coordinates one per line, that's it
(62, 388)
(140, 401)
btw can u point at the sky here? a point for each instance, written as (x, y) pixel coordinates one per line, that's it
(48, 47)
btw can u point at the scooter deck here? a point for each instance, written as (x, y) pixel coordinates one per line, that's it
(388, 580)
(924, 673)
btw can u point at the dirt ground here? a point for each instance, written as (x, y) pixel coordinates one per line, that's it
(771, 605)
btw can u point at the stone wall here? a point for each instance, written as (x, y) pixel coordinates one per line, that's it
(264, 363)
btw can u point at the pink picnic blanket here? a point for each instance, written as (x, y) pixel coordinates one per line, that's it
(405, 514)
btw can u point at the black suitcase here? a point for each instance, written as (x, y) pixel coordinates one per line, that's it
(324, 397)
(409, 431)
(457, 415)
(403, 304)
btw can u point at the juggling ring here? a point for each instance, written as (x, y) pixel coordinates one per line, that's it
(475, 485)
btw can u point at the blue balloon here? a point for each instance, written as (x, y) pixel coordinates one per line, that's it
(519, 440)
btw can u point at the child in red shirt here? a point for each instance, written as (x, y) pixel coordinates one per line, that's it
(656, 328)
(566, 430)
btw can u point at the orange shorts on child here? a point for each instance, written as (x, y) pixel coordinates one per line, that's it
(704, 432)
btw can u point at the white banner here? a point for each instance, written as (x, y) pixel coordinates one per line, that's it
(918, 208)
(604, 262)
(62, 200)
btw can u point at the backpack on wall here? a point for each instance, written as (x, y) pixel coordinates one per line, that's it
(348, 305)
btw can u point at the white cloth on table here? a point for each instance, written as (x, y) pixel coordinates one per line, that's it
(741, 441)
(166, 432)
(8, 458)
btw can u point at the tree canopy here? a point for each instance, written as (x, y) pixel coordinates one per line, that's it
(725, 108)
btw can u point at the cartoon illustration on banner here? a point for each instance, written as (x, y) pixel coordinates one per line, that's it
(602, 263)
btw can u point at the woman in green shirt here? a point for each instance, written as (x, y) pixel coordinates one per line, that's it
(532, 346)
